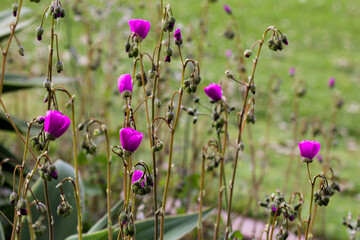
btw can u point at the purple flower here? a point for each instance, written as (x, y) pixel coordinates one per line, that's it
(228, 53)
(55, 124)
(177, 34)
(55, 175)
(130, 139)
(137, 175)
(292, 71)
(227, 9)
(309, 149)
(331, 82)
(124, 83)
(140, 26)
(167, 59)
(273, 209)
(213, 91)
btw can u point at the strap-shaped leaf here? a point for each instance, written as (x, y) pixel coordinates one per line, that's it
(175, 228)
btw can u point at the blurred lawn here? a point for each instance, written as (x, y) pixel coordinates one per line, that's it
(323, 42)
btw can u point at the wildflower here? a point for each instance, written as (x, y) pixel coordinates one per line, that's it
(136, 177)
(130, 139)
(125, 85)
(213, 91)
(228, 53)
(292, 71)
(177, 34)
(227, 9)
(140, 27)
(167, 59)
(55, 124)
(331, 82)
(309, 149)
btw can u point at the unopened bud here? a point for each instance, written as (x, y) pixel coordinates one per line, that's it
(248, 53)
(39, 33)
(170, 116)
(127, 46)
(169, 52)
(157, 103)
(47, 85)
(241, 146)
(15, 9)
(13, 197)
(229, 74)
(21, 50)
(59, 66)
(252, 88)
(284, 39)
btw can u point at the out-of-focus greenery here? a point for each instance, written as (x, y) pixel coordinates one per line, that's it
(323, 43)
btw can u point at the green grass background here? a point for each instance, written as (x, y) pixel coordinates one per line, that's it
(323, 42)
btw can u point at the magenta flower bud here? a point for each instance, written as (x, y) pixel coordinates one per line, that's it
(140, 26)
(291, 218)
(292, 71)
(124, 83)
(331, 82)
(177, 34)
(228, 53)
(55, 175)
(273, 209)
(309, 149)
(167, 59)
(136, 177)
(227, 9)
(130, 139)
(55, 124)
(213, 91)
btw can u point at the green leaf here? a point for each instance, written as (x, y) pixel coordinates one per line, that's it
(6, 18)
(63, 226)
(115, 211)
(175, 228)
(236, 234)
(14, 82)
(2, 233)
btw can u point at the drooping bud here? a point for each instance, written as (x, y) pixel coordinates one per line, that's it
(21, 206)
(127, 46)
(157, 103)
(227, 9)
(53, 171)
(170, 116)
(284, 39)
(15, 7)
(59, 66)
(39, 33)
(169, 52)
(229, 74)
(21, 50)
(167, 59)
(252, 88)
(13, 197)
(248, 53)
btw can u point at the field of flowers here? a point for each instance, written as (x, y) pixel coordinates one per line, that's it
(157, 119)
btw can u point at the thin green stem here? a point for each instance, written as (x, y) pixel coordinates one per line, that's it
(311, 202)
(49, 216)
(172, 133)
(108, 189)
(201, 197)
(240, 129)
